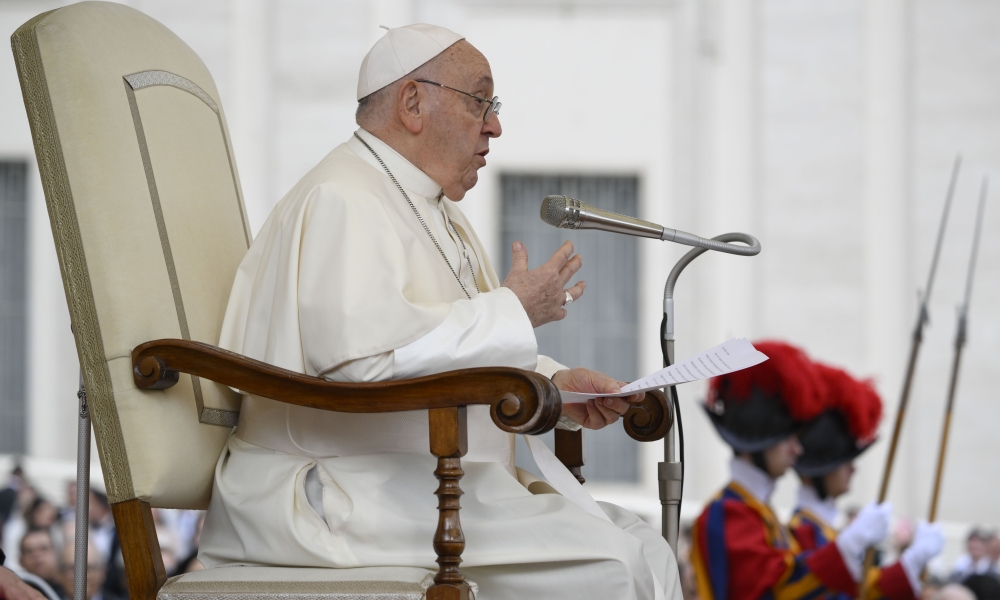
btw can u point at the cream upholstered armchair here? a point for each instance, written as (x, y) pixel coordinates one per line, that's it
(150, 227)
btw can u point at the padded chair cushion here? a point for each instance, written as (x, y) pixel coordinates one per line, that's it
(268, 583)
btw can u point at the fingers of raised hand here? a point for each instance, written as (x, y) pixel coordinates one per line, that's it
(562, 255)
(577, 289)
(569, 269)
(519, 258)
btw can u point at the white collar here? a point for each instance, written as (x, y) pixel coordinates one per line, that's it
(405, 172)
(824, 509)
(755, 481)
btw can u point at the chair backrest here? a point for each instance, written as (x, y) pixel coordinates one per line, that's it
(149, 226)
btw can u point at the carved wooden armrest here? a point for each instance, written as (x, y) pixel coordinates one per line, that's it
(647, 421)
(520, 402)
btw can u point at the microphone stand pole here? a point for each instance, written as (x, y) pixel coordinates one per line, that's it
(671, 471)
(918, 337)
(963, 313)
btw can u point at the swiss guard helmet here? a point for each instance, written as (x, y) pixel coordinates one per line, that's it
(757, 408)
(844, 430)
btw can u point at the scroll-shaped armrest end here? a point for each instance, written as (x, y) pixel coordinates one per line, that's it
(150, 373)
(520, 401)
(650, 419)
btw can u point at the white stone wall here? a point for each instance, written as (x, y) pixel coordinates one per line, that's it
(825, 128)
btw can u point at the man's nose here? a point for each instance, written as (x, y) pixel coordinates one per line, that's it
(796, 447)
(491, 127)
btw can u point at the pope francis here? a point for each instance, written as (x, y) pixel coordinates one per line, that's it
(367, 271)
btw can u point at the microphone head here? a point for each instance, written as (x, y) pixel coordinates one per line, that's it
(561, 211)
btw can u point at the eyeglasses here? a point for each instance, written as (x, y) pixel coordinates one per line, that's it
(492, 109)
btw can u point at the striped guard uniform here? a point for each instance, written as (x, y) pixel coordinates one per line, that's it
(811, 532)
(741, 551)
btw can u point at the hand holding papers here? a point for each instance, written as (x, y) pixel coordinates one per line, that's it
(730, 356)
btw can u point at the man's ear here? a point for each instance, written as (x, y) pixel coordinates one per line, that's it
(408, 105)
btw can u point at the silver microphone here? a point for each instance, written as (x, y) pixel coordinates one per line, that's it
(568, 213)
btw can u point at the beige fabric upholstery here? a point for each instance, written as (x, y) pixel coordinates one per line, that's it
(149, 226)
(252, 583)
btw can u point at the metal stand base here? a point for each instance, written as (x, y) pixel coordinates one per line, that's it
(671, 479)
(82, 536)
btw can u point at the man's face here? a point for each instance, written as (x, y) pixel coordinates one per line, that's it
(976, 547)
(38, 555)
(457, 139)
(96, 570)
(782, 457)
(993, 546)
(838, 482)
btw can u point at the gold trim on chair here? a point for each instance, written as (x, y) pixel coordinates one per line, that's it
(138, 81)
(72, 261)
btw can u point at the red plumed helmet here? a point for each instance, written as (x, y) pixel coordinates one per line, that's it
(856, 400)
(847, 427)
(757, 408)
(787, 373)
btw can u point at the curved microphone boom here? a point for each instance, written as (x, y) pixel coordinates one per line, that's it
(568, 213)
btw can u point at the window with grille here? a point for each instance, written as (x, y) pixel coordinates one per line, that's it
(13, 306)
(601, 330)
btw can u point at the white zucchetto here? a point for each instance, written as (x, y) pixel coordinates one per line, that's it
(400, 51)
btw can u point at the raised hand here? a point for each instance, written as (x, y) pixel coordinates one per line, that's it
(596, 412)
(542, 292)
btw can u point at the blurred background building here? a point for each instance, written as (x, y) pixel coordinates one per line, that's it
(825, 128)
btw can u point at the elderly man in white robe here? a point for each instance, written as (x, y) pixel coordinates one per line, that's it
(368, 271)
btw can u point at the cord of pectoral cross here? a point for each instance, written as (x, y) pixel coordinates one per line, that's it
(427, 229)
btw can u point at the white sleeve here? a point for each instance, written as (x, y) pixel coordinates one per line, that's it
(491, 330)
(548, 367)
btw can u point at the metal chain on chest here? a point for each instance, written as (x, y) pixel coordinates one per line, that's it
(427, 230)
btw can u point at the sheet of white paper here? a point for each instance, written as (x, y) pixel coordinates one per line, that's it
(727, 357)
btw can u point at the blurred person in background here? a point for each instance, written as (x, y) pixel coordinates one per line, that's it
(740, 549)
(42, 514)
(40, 558)
(96, 570)
(168, 541)
(983, 586)
(689, 587)
(902, 536)
(830, 444)
(190, 562)
(954, 591)
(104, 537)
(976, 560)
(993, 552)
(14, 498)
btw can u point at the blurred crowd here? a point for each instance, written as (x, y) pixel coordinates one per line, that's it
(37, 534)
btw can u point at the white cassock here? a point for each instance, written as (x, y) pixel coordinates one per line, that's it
(343, 282)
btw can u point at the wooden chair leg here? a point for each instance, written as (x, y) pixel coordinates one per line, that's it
(569, 451)
(449, 443)
(140, 548)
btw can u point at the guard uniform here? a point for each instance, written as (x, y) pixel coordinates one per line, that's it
(740, 550)
(838, 436)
